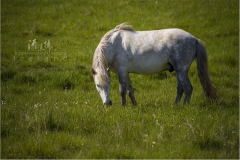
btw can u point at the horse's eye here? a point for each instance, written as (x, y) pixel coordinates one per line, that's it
(99, 86)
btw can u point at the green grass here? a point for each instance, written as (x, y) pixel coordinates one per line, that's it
(51, 109)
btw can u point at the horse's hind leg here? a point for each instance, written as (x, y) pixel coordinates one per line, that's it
(179, 91)
(184, 85)
(131, 91)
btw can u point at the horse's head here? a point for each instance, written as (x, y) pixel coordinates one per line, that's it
(102, 80)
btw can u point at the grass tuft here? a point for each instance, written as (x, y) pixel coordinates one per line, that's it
(25, 79)
(8, 75)
(66, 84)
(208, 143)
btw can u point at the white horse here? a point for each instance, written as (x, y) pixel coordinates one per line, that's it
(124, 50)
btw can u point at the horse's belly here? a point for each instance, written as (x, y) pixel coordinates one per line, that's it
(147, 65)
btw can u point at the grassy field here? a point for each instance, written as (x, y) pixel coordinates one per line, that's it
(51, 109)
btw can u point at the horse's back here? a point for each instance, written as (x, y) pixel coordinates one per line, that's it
(162, 34)
(139, 42)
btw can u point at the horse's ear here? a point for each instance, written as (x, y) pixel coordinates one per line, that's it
(93, 71)
(108, 69)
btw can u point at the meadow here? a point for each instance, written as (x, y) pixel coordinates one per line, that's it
(51, 109)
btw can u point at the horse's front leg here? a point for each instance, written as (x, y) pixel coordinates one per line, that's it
(131, 91)
(123, 87)
(123, 91)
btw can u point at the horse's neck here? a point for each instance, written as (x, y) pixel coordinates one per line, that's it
(108, 54)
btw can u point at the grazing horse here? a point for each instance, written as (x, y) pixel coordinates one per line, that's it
(124, 50)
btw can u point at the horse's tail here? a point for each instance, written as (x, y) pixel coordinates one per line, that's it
(203, 74)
